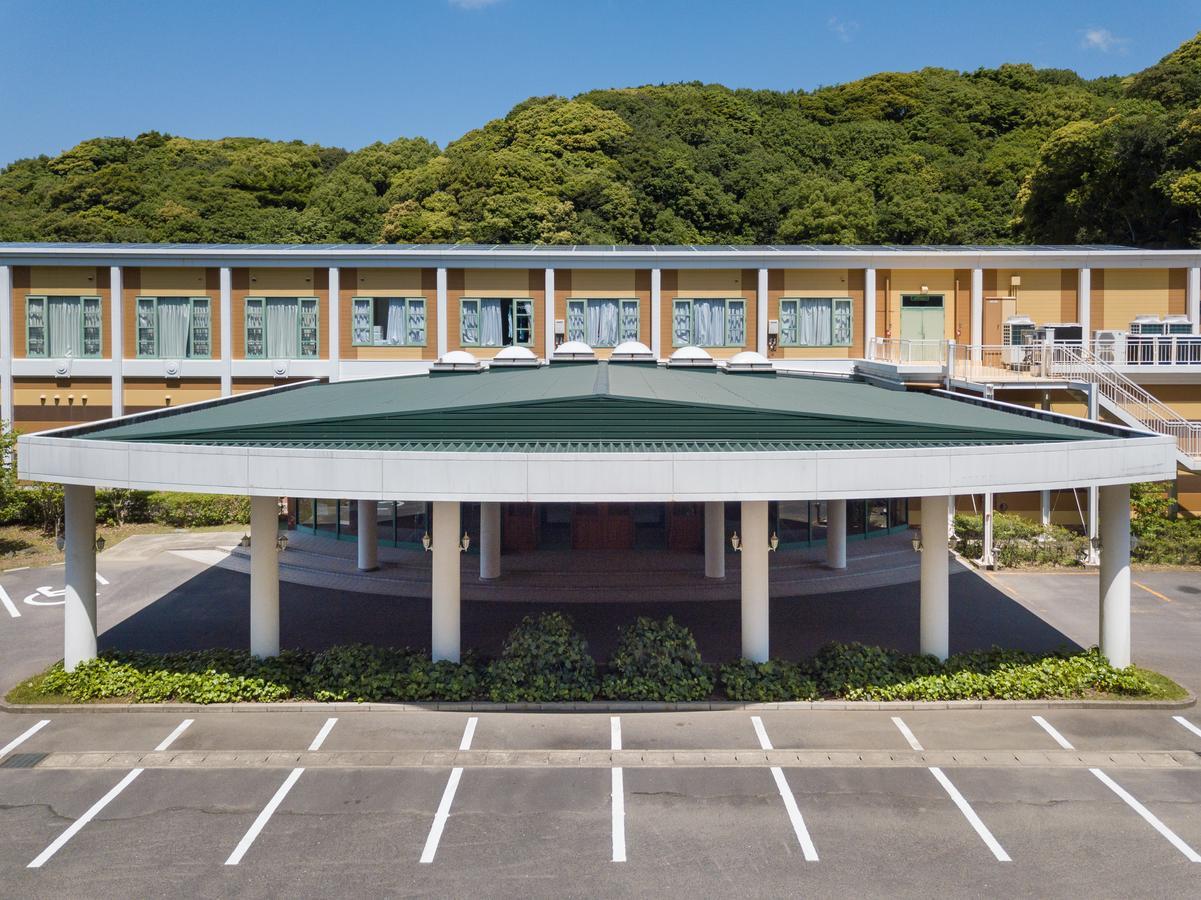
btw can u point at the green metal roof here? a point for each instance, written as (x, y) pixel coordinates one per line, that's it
(591, 407)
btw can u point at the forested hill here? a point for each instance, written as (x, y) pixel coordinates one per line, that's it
(991, 156)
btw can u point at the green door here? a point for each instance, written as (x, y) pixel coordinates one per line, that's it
(922, 322)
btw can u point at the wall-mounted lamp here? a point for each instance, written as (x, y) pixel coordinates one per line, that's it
(917, 542)
(772, 544)
(99, 545)
(281, 543)
(464, 542)
(245, 542)
(925, 288)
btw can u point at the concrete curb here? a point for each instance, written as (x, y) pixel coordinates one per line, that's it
(595, 706)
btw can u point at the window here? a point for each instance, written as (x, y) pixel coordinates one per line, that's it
(816, 322)
(281, 327)
(490, 322)
(61, 327)
(602, 323)
(708, 323)
(388, 322)
(174, 328)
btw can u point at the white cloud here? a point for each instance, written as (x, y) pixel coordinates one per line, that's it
(472, 4)
(1102, 39)
(844, 30)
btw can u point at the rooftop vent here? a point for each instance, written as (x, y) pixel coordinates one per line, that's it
(632, 351)
(457, 361)
(749, 361)
(691, 356)
(515, 357)
(573, 351)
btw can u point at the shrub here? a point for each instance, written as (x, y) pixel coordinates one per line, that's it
(1018, 541)
(657, 660)
(544, 660)
(197, 510)
(841, 668)
(362, 672)
(773, 681)
(119, 506)
(40, 504)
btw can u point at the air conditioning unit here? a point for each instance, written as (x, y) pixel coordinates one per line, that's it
(1177, 324)
(1056, 333)
(1110, 346)
(1147, 325)
(1013, 335)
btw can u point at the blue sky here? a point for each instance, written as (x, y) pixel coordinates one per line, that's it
(349, 73)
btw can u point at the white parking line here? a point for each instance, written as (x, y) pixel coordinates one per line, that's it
(970, 814)
(1058, 738)
(263, 817)
(8, 604)
(101, 578)
(448, 797)
(323, 734)
(1180, 719)
(273, 804)
(618, 792)
(1159, 826)
(23, 737)
(906, 733)
(794, 812)
(74, 828)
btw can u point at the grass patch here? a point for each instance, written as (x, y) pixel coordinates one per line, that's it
(33, 690)
(25, 545)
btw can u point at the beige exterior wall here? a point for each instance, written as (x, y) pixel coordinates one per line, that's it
(60, 281)
(168, 282)
(40, 404)
(727, 284)
(503, 283)
(1127, 293)
(910, 281)
(786, 283)
(143, 394)
(388, 283)
(268, 282)
(598, 284)
(1041, 294)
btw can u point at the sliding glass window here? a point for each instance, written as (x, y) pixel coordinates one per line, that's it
(494, 322)
(708, 323)
(61, 327)
(388, 321)
(174, 328)
(282, 327)
(602, 323)
(816, 322)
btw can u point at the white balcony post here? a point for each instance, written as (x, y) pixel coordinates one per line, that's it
(987, 557)
(489, 541)
(656, 313)
(1115, 574)
(977, 329)
(1094, 414)
(227, 331)
(117, 341)
(1084, 305)
(756, 608)
(715, 539)
(761, 313)
(836, 534)
(335, 323)
(935, 613)
(869, 311)
(444, 638)
(264, 577)
(443, 337)
(79, 603)
(1193, 298)
(6, 345)
(548, 285)
(367, 541)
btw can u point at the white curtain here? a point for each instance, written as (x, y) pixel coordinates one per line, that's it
(814, 323)
(842, 322)
(575, 322)
(417, 323)
(471, 323)
(788, 322)
(66, 322)
(174, 322)
(395, 333)
(491, 327)
(361, 323)
(283, 328)
(681, 327)
(603, 321)
(736, 324)
(629, 321)
(708, 323)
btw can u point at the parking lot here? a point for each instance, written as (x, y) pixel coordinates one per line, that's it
(759, 803)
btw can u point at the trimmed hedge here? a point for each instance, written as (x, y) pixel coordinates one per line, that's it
(544, 659)
(657, 660)
(774, 681)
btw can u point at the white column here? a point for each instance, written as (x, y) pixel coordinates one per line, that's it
(1084, 304)
(761, 313)
(6, 345)
(79, 610)
(264, 577)
(443, 337)
(1193, 298)
(490, 540)
(715, 539)
(935, 613)
(548, 286)
(444, 640)
(656, 313)
(367, 542)
(1044, 508)
(977, 330)
(117, 341)
(755, 606)
(951, 502)
(1115, 574)
(335, 323)
(1094, 413)
(836, 534)
(869, 311)
(986, 553)
(227, 331)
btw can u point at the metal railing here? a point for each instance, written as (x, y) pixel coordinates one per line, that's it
(1152, 350)
(907, 350)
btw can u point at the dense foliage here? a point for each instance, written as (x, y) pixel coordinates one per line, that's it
(544, 659)
(657, 659)
(934, 156)
(1161, 535)
(1019, 541)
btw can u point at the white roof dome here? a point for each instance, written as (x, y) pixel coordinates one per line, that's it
(749, 361)
(456, 360)
(515, 356)
(573, 350)
(632, 351)
(691, 356)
